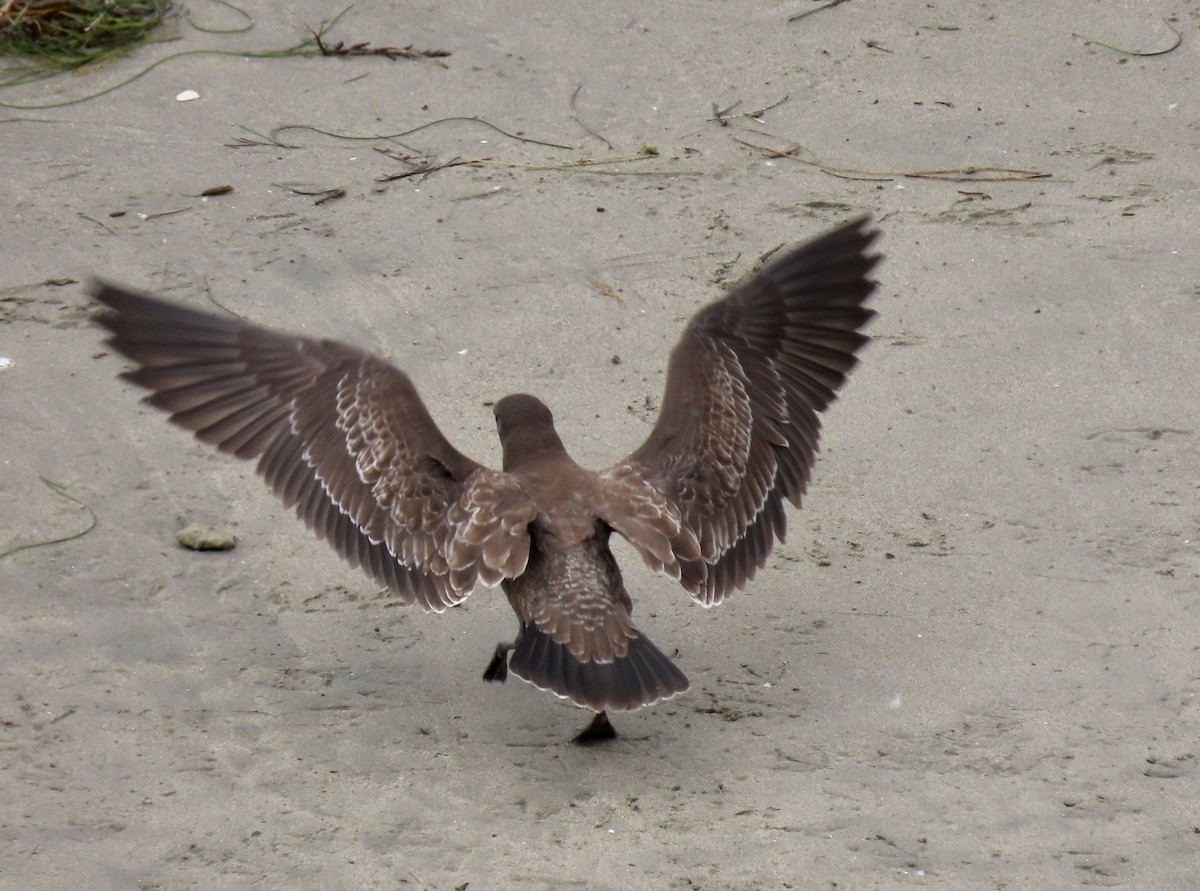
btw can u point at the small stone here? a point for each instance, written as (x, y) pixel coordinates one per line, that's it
(203, 537)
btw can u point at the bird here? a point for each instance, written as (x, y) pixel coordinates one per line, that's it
(343, 438)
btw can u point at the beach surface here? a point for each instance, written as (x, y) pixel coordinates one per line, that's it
(975, 664)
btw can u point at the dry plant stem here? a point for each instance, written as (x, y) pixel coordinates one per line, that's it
(245, 15)
(586, 129)
(425, 169)
(808, 12)
(322, 195)
(757, 114)
(589, 165)
(103, 226)
(243, 142)
(954, 175)
(217, 303)
(722, 115)
(365, 49)
(585, 166)
(331, 195)
(1116, 49)
(274, 135)
(57, 489)
(308, 193)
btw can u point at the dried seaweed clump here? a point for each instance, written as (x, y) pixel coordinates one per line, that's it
(71, 33)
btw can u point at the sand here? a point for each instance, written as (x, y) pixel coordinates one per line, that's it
(974, 664)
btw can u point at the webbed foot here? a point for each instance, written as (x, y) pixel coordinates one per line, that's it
(598, 731)
(497, 669)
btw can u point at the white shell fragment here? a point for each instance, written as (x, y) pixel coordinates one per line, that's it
(187, 96)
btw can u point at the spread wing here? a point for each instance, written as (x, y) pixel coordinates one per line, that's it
(340, 436)
(738, 428)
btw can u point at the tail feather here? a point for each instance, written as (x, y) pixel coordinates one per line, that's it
(642, 676)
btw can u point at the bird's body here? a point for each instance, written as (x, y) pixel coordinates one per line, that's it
(577, 638)
(344, 438)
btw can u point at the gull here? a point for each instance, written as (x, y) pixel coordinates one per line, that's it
(343, 438)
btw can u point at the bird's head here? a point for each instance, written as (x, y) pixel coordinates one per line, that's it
(526, 428)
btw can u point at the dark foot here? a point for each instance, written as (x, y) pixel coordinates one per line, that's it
(599, 730)
(497, 669)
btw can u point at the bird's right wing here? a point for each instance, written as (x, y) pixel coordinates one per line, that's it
(339, 435)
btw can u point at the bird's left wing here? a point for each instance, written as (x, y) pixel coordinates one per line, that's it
(340, 436)
(737, 432)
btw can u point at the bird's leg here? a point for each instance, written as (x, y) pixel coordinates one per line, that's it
(497, 669)
(599, 730)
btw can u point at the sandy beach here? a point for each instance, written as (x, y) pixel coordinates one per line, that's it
(975, 664)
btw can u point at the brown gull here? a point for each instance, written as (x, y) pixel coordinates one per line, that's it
(343, 438)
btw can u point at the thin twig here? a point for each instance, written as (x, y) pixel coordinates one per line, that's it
(954, 175)
(371, 137)
(309, 193)
(1116, 49)
(388, 152)
(424, 169)
(243, 142)
(331, 195)
(57, 489)
(217, 303)
(107, 229)
(586, 165)
(365, 49)
(246, 27)
(586, 129)
(589, 165)
(757, 114)
(808, 12)
(322, 195)
(722, 115)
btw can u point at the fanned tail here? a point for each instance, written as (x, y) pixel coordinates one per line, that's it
(642, 676)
